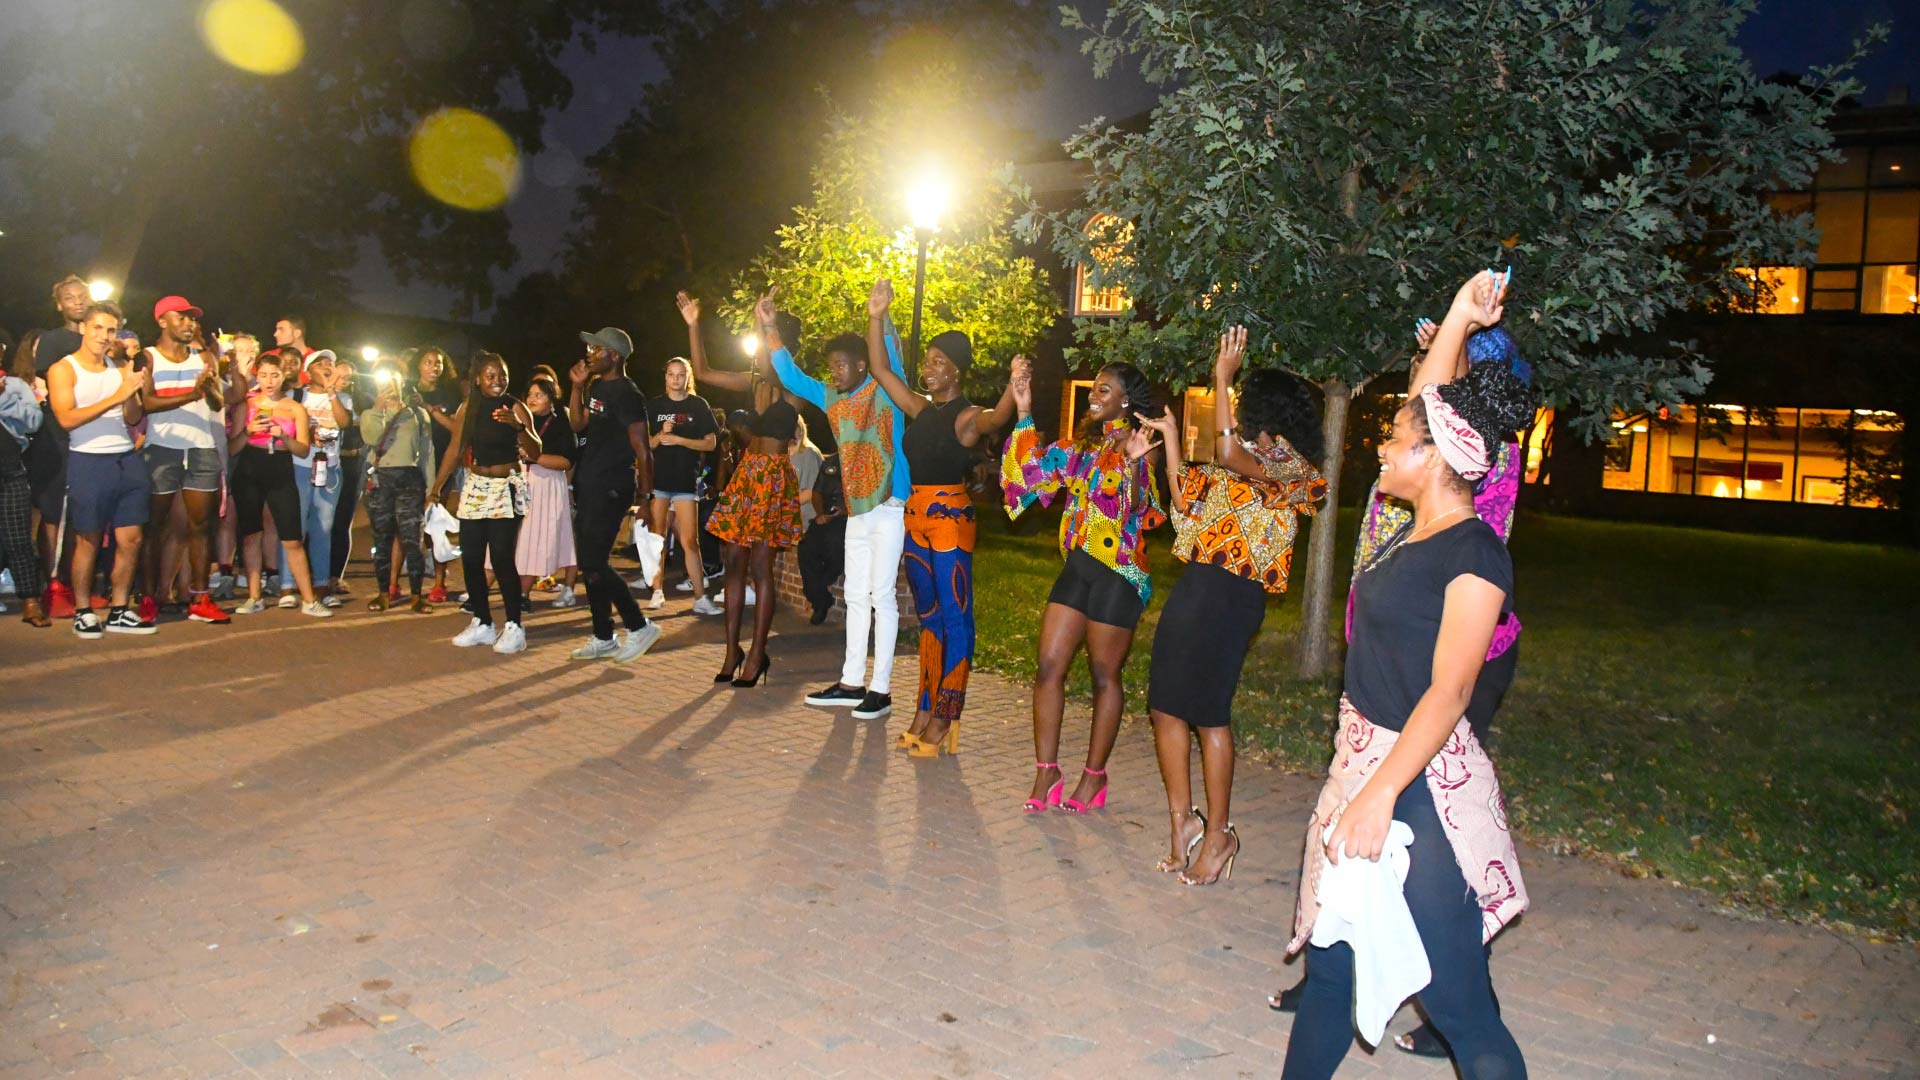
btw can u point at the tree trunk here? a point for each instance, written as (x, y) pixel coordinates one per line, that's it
(1316, 657)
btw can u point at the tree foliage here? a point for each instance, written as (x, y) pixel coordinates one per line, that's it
(1327, 173)
(855, 230)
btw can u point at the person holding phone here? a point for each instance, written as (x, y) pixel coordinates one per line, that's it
(270, 433)
(398, 435)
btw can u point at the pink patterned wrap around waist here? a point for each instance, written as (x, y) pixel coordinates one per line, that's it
(1466, 795)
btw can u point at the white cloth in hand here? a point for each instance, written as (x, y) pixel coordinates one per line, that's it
(1364, 903)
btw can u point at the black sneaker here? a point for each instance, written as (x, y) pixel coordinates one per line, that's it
(837, 697)
(87, 625)
(874, 707)
(125, 620)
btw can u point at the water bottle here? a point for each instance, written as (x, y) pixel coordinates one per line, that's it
(320, 469)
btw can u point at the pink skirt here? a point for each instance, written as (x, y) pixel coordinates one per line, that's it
(546, 535)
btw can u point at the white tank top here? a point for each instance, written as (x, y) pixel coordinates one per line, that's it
(190, 427)
(106, 433)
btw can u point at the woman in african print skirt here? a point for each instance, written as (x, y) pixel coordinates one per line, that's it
(758, 513)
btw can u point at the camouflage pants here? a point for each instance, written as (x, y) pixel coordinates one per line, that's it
(396, 507)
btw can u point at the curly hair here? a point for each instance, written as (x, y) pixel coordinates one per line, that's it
(1138, 394)
(1492, 400)
(1285, 407)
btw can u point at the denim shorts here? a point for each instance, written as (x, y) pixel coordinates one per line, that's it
(171, 468)
(675, 496)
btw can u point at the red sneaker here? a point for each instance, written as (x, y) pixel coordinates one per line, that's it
(59, 600)
(206, 611)
(149, 609)
(437, 595)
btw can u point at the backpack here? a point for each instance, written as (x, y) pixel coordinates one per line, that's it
(833, 495)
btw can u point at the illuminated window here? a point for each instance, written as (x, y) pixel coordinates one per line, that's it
(1890, 290)
(1833, 457)
(1866, 207)
(1777, 290)
(1113, 299)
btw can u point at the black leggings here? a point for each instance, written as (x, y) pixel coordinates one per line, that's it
(497, 536)
(261, 480)
(1458, 1002)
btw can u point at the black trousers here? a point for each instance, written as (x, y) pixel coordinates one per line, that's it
(597, 519)
(823, 558)
(499, 537)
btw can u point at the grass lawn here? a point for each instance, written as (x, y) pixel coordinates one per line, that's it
(1732, 712)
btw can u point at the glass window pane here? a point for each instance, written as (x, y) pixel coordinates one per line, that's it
(1777, 290)
(1836, 279)
(1893, 226)
(1838, 216)
(1890, 290)
(1833, 301)
(1896, 166)
(1790, 203)
(1849, 171)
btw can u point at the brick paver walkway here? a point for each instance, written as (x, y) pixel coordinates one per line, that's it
(295, 848)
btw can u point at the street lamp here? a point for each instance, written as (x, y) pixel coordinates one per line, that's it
(750, 344)
(370, 353)
(926, 201)
(100, 289)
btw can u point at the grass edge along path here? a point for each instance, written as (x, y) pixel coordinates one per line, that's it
(1726, 711)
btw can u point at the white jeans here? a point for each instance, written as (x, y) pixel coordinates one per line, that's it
(874, 540)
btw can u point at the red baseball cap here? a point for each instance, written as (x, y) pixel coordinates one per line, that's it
(175, 303)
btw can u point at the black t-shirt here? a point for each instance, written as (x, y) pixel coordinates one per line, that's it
(443, 398)
(54, 345)
(605, 464)
(1396, 616)
(676, 468)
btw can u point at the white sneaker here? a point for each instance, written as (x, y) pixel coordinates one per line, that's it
(704, 606)
(252, 607)
(476, 633)
(315, 609)
(512, 640)
(289, 601)
(684, 586)
(637, 642)
(332, 600)
(751, 599)
(596, 649)
(465, 596)
(659, 600)
(566, 599)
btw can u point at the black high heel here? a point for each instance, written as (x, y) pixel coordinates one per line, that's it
(758, 677)
(727, 673)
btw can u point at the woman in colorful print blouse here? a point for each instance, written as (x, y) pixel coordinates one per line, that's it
(1106, 471)
(1235, 519)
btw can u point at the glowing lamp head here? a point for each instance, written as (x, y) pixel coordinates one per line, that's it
(100, 290)
(370, 353)
(750, 344)
(927, 201)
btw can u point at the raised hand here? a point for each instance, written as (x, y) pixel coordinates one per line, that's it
(880, 299)
(578, 373)
(763, 310)
(1023, 393)
(131, 383)
(1022, 370)
(1163, 425)
(1232, 353)
(1423, 330)
(689, 307)
(1140, 441)
(1479, 301)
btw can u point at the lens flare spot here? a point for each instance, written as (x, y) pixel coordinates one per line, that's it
(253, 35)
(465, 160)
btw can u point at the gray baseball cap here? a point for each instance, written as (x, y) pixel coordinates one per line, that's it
(611, 338)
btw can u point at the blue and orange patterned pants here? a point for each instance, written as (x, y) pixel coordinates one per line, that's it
(939, 560)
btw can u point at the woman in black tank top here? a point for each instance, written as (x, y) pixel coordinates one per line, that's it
(944, 431)
(494, 434)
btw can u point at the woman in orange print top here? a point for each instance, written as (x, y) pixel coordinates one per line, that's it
(1234, 521)
(1102, 590)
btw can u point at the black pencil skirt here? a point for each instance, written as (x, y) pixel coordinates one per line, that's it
(1201, 644)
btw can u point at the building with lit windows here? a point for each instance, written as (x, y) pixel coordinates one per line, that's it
(1802, 429)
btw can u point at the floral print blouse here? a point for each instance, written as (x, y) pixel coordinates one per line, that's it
(1245, 525)
(1112, 501)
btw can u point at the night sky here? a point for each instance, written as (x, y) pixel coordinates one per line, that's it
(1785, 35)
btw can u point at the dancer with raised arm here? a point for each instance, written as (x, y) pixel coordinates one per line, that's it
(1104, 587)
(943, 431)
(1234, 522)
(1409, 779)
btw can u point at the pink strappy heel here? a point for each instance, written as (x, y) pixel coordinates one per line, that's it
(1039, 806)
(1099, 800)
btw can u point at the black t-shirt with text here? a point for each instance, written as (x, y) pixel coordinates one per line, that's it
(677, 468)
(1396, 616)
(605, 464)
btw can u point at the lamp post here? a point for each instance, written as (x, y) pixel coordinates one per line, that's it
(926, 200)
(100, 290)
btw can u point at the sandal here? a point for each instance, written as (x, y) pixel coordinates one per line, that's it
(1166, 863)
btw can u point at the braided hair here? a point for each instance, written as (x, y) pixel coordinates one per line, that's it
(1136, 390)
